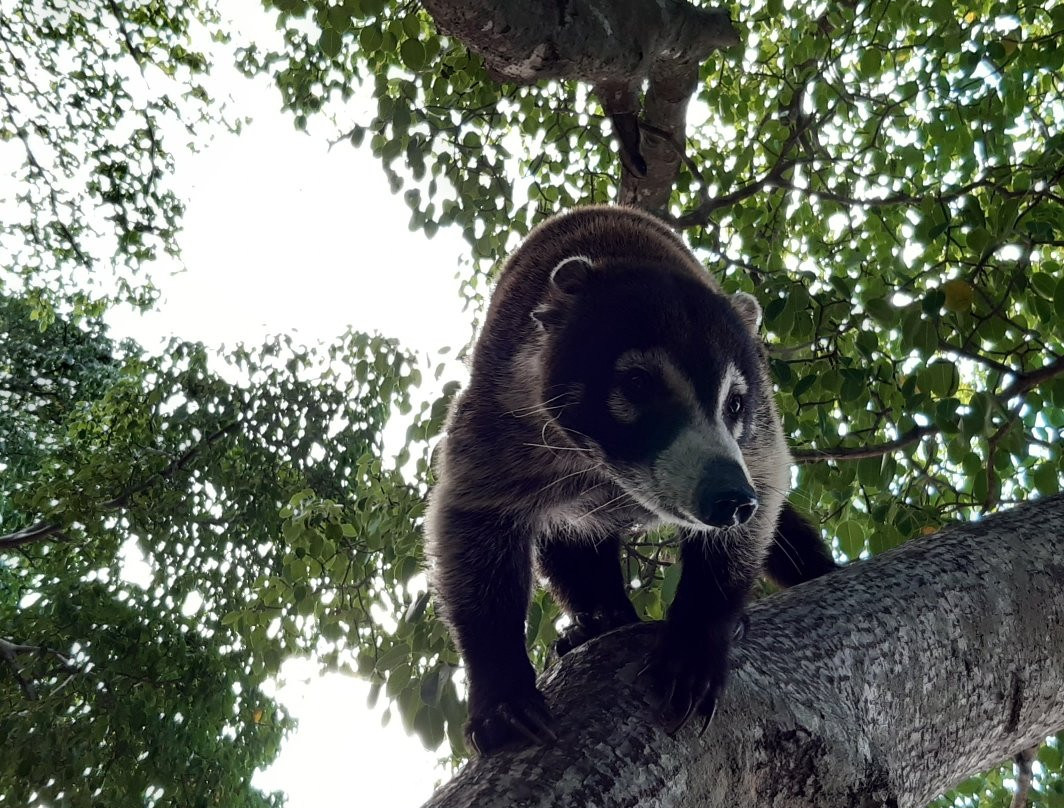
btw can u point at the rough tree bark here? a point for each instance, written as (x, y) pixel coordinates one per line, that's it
(614, 45)
(885, 683)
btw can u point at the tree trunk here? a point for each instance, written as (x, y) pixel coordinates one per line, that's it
(614, 45)
(584, 40)
(885, 683)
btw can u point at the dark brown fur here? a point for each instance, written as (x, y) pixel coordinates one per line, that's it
(518, 481)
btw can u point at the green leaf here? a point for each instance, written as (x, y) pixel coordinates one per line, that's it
(1050, 757)
(1046, 478)
(412, 53)
(868, 471)
(851, 538)
(535, 615)
(431, 687)
(330, 43)
(231, 618)
(925, 337)
(670, 582)
(428, 724)
(370, 38)
(871, 61)
(978, 239)
(803, 385)
(393, 657)
(881, 310)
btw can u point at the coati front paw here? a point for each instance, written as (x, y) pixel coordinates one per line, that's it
(520, 719)
(588, 626)
(688, 675)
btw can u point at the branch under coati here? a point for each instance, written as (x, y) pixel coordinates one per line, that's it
(884, 683)
(614, 46)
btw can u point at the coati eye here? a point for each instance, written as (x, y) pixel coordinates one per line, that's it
(636, 385)
(735, 405)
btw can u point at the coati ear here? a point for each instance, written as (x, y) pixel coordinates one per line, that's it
(748, 309)
(566, 280)
(571, 273)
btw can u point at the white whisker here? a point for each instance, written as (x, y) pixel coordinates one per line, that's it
(566, 477)
(605, 504)
(558, 448)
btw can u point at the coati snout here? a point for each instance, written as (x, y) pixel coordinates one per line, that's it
(614, 386)
(724, 495)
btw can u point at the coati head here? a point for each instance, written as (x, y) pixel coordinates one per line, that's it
(659, 378)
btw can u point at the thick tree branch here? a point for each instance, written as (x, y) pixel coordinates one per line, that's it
(46, 528)
(664, 138)
(884, 683)
(615, 46)
(587, 40)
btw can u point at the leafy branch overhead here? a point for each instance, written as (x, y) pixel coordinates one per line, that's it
(885, 177)
(907, 256)
(95, 200)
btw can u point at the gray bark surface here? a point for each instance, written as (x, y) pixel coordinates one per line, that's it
(614, 45)
(585, 40)
(885, 683)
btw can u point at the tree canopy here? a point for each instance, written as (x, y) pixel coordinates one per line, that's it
(887, 178)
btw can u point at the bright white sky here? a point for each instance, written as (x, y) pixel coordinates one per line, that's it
(283, 235)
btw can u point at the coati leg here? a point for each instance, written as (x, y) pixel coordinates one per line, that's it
(585, 579)
(483, 577)
(797, 552)
(690, 664)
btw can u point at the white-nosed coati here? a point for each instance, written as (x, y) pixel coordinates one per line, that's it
(614, 386)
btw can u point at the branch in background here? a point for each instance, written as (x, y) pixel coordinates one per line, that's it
(914, 435)
(700, 215)
(38, 170)
(993, 364)
(1023, 762)
(803, 127)
(776, 178)
(1022, 384)
(9, 652)
(46, 528)
(1025, 382)
(614, 46)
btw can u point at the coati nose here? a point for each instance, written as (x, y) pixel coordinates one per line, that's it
(725, 498)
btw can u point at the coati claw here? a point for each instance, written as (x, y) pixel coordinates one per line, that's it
(708, 719)
(517, 722)
(687, 679)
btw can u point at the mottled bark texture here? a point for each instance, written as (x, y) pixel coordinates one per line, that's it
(614, 45)
(882, 684)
